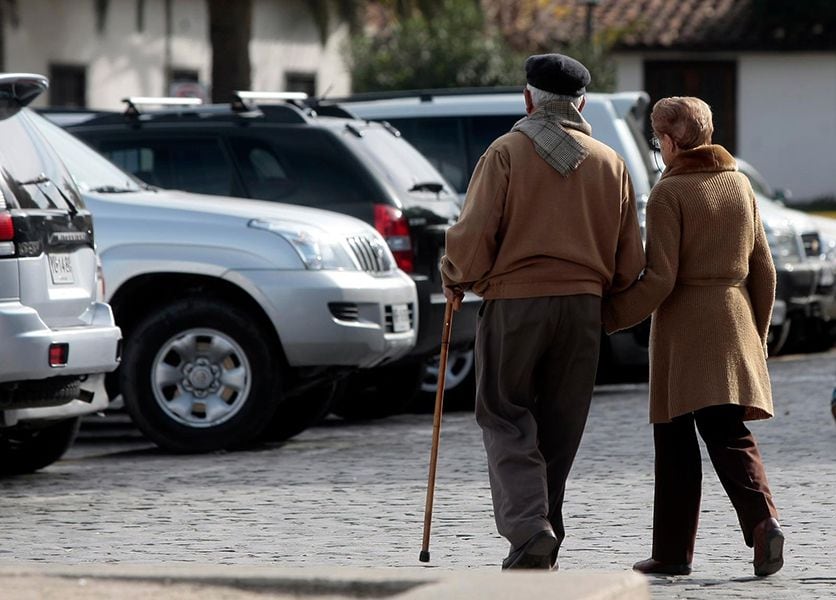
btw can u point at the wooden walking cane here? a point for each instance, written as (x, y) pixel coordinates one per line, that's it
(439, 400)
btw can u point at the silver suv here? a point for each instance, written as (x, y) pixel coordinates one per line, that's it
(239, 317)
(58, 339)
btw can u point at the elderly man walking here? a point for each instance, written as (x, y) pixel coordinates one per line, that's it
(549, 225)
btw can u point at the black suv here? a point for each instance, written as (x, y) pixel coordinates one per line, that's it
(286, 153)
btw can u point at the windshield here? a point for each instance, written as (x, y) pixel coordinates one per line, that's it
(400, 162)
(90, 170)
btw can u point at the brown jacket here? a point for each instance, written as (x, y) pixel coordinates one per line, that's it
(711, 282)
(527, 231)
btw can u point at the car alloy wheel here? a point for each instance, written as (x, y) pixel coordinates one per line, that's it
(201, 378)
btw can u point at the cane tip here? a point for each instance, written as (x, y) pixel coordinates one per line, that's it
(425, 556)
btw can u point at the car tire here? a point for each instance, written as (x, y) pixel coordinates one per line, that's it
(304, 410)
(25, 450)
(199, 376)
(459, 383)
(777, 338)
(380, 392)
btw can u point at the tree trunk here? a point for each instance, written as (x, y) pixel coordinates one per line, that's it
(230, 26)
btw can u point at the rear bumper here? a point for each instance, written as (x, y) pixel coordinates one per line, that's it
(431, 307)
(96, 400)
(24, 353)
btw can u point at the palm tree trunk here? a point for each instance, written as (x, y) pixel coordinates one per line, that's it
(230, 27)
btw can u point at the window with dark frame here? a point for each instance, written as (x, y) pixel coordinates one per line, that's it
(712, 81)
(300, 82)
(68, 86)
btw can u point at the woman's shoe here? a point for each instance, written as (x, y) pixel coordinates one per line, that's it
(651, 566)
(769, 548)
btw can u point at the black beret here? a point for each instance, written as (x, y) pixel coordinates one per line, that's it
(557, 73)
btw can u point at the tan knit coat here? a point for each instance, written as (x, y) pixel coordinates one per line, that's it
(710, 284)
(527, 231)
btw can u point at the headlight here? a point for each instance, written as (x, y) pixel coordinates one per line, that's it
(783, 242)
(316, 249)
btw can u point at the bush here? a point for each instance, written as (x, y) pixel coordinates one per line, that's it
(454, 48)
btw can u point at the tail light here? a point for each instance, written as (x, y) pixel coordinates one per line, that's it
(58, 354)
(394, 228)
(7, 234)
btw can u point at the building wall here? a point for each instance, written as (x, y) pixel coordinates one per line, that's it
(786, 115)
(787, 120)
(121, 60)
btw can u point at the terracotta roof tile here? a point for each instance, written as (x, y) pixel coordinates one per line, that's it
(668, 24)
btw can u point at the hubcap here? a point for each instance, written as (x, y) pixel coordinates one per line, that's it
(459, 365)
(201, 378)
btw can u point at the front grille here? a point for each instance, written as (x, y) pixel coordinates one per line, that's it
(390, 320)
(812, 243)
(344, 311)
(370, 253)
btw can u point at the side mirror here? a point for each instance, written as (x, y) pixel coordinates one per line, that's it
(18, 90)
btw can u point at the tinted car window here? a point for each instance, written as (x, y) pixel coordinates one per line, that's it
(311, 170)
(197, 165)
(442, 142)
(396, 158)
(31, 169)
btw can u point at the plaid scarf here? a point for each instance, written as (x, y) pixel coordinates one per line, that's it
(546, 127)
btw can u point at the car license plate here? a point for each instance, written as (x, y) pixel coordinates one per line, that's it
(61, 267)
(400, 318)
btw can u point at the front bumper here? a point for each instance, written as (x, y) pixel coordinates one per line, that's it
(24, 352)
(335, 318)
(95, 399)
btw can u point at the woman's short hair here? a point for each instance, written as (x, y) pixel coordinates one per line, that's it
(685, 118)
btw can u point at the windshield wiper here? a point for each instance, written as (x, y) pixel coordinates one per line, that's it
(41, 180)
(427, 186)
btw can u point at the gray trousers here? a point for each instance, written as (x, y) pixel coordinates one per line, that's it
(536, 360)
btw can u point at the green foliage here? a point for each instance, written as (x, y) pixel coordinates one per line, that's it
(595, 57)
(451, 48)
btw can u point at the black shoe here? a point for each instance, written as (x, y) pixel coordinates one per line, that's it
(536, 553)
(769, 548)
(651, 566)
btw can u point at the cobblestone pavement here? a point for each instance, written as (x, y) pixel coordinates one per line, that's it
(353, 495)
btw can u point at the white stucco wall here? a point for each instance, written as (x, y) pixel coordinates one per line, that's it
(786, 115)
(122, 61)
(629, 73)
(786, 120)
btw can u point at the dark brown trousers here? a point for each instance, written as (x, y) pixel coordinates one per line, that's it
(536, 360)
(737, 461)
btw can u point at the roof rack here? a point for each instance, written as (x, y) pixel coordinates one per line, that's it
(134, 102)
(425, 95)
(243, 100)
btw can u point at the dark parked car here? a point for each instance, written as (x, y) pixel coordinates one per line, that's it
(286, 153)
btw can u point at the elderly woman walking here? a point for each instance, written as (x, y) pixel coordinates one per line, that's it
(710, 284)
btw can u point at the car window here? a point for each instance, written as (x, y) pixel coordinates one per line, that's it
(310, 170)
(442, 141)
(196, 165)
(31, 168)
(89, 169)
(397, 159)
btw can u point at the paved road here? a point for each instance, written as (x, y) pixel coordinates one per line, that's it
(353, 495)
